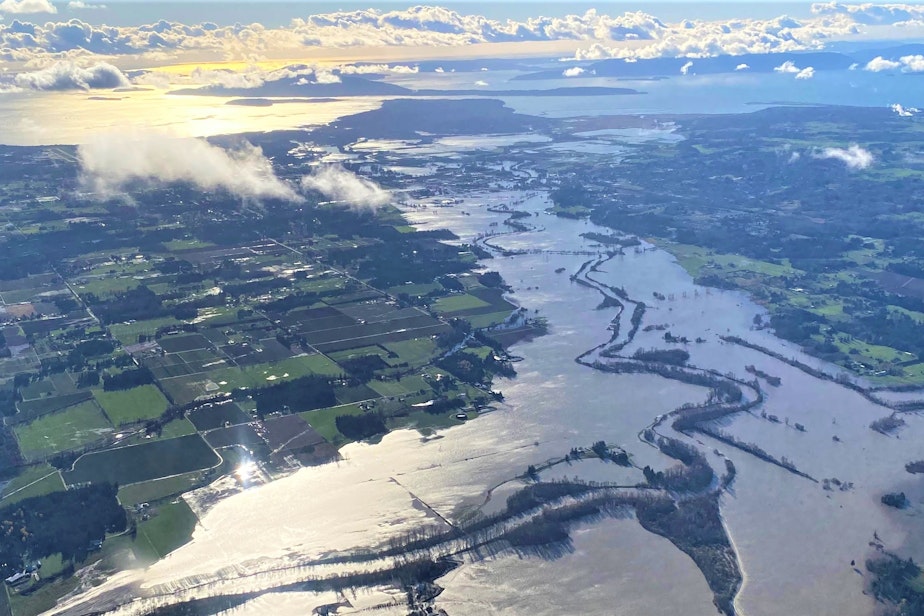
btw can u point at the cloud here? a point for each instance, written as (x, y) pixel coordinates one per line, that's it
(879, 64)
(742, 67)
(481, 83)
(23, 7)
(110, 164)
(871, 14)
(905, 112)
(574, 71)
(373, 69)
(431, 26)
(686, 68)
(66, 75)
(325, 77)
(341, 185)
(76, 5)
(790, 67)
(787, 67)
(698, 39)
(913, 64)
(854, 156)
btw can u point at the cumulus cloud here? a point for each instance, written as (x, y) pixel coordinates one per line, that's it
(871, 14)
(344, 186)
(686, 68)
(23, 7)
(854, 156)
(481, 83)
(325, 77)
(807, 73)
(697, 38)
(902, 111)
(77, 5)
(433, 26)
(879, 64)
(110, 164)
(913, 64)
(66, 75)
(378, 69)
(574, 71)
(787, 67)
(742, 67)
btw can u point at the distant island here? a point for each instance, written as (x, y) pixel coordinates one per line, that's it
(351, 85)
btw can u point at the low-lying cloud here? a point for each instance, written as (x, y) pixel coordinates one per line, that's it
(854, 156)
(345, 187)
(787, 67)
(790, 67)
(111, 164)
(879, 64)
(902, 111)
(66, 75)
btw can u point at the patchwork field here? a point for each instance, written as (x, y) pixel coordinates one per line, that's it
(73, 428)
(131, 405)
(128, 465)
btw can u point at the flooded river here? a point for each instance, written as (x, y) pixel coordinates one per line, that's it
(795, 538)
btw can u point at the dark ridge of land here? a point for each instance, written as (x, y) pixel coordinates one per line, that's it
(407, 118)
(353, 85)
(267, 102)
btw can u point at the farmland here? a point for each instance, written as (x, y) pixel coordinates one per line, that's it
(132, 405)
(135, 463)
(71, 428)
(159, 350)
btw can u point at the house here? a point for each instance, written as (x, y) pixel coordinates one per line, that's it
(18, 579)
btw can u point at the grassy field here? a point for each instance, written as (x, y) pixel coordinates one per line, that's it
(324, 421)
(37, 389)
(697, 260)
(172, 429)
(152, 491)
(72, 428)
(171, 527)
(415, 290)
(261, 375)
(32, 481)
(480, 321)
(131, 405)
(153, 460)
(42, 406)
(127, 333)
(104, 287)
(408, 385)
(457, 303)
(416, 352)
(358, 352)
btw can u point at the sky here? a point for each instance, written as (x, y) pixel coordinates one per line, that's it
(274, 13)
(97, 44)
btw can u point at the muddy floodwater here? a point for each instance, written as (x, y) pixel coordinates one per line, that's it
(795, 536)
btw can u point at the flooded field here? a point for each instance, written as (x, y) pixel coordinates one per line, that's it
(795, 536)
